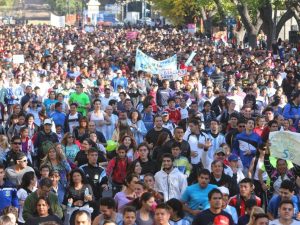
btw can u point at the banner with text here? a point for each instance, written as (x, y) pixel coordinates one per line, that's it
(57, 21)
(284, 145)
(167, 68)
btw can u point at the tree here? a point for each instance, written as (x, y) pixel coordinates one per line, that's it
(63, 7)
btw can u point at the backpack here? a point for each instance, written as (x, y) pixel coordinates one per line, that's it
(238, 202)
(115, 175)
(45, 146)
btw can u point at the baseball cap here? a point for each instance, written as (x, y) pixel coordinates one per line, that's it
(47, 121)
(119, 71)
(233, 157)
(219, 150)
(224, 190)
(164, 113)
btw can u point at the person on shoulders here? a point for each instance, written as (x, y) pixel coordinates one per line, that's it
(214, 213)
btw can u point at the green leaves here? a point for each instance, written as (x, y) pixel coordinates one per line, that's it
(62, 7)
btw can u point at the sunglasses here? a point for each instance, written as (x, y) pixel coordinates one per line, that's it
(17, 143)
(71, 137)
(24, 160)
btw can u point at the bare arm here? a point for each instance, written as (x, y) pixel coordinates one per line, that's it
(250, 171)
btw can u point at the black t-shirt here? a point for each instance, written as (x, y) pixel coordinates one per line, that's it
(81, 158)
(148, 167)
(39, 220)
(152, 135)
(206, 217)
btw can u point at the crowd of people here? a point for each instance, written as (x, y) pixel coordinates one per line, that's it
(86, 139)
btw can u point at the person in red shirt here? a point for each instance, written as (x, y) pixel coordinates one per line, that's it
(174, 113)
(246, 192)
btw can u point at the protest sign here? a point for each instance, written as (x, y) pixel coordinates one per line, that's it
(285, 145)
(191, 28)
(57, 21)
(220, 35)
(18, 59)
(167, 68)
(131, 35)
(182, 72)
(189, 60)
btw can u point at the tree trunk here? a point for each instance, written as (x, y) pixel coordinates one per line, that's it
(283, 19)
(221, 13)
(268, 23)
(207, 21)
(252, 38)
(251, 28)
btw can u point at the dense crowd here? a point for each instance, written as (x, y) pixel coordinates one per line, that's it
(86, 139)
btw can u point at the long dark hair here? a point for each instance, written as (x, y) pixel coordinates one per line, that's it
(82, 176)
(144, 198)
(48, 203)
(177, 207)
(161, 138)
(26, 179)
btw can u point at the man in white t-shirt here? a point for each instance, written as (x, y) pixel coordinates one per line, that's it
(286, 212)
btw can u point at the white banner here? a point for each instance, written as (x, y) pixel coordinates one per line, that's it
(167, 68)
(57, 21)
(18, 59)
(285, 145)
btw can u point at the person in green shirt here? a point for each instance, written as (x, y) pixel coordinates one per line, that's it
(81, 98)
(44, 189)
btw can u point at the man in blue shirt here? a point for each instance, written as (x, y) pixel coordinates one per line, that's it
(119, 80)
(195, 197)
(246, 143)
(286, 192)
(58, 116)
(8, 192)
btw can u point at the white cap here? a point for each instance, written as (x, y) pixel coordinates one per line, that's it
(119, 71)
(224, 190)
(48, 121)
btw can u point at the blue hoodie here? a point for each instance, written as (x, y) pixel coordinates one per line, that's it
(244, 142)
(8, 195)
(291, 111)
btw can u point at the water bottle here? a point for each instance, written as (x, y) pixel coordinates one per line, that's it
(86, 193)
